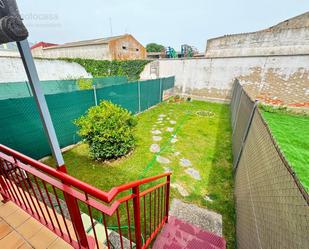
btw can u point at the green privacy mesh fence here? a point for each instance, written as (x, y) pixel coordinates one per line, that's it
(22, 130)
(22, 89)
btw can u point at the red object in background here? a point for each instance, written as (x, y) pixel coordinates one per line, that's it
(44, 45)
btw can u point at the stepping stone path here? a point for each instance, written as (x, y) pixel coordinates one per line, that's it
(154, 148)
(156, 132)
(172, 122)
(169, 129)
(180, 189)
(185, 162)
(194, 173)
(163, 160)
(162, 115)
(156, 138)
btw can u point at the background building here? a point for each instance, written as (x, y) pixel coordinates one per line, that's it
(124, 47)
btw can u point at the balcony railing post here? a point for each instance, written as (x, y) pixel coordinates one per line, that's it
(137, 217)
(76, 220)
(75, 215)
(4, 190)
(167, 196)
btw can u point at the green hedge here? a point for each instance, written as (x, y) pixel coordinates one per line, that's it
(100, 68)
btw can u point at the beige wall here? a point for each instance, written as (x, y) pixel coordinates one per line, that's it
(97, 52)
(268, 42)
(123, 48)
(127, 48)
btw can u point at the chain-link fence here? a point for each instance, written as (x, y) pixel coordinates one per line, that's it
(22, 130)
(272, 207)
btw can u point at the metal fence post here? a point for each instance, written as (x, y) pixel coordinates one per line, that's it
(137, 217)
(167, 197)
(28, 87)
(237, 111)
(4, 187)
(95, 95)
(139, 95)
(161, 90)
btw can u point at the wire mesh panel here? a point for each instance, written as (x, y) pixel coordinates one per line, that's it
(125, 95)
(14, 90)
(236, 93)
(21, 127)
(22, 89)
(168, 83)
(150, 93)
(64, 109)
(242, 120)
(272, 207)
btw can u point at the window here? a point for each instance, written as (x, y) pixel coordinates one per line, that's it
(137, 49)
(124, 47)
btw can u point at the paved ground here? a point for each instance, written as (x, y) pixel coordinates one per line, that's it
(200, 217)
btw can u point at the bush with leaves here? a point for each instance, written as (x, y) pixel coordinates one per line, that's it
(101, 68)
(108, 129)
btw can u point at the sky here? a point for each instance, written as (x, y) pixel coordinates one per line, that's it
(168, 22)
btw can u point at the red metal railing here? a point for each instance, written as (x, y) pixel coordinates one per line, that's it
(128, 216)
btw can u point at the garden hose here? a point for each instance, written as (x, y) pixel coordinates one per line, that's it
(148, 167)
(165, 145)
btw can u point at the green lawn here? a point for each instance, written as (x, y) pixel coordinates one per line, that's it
(205, 141)
(292, 134)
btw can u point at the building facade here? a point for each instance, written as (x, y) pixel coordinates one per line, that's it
(124, 47)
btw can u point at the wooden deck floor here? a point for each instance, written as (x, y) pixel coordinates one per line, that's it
(19, 230)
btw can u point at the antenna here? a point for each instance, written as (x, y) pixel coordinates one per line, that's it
(111, 26)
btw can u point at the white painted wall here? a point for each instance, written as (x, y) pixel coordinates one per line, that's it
(98, 52)
(12, 70)
(285, 42)
(213, 78)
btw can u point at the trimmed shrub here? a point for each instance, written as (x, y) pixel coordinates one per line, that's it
(108, 129)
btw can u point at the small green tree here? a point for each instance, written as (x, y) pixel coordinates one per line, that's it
(108, 129)
(154, 47)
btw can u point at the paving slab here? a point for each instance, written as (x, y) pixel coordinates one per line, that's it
(163, 160)
(193, 173)
(200, 217)
(172, 122)
(170, 129)
(154, 148)
(156, 132)
(156, 138)
(184, 162)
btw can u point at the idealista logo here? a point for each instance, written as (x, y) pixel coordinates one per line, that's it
(2, 5)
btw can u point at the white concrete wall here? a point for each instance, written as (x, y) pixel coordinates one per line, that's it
(213, 78)
(268, 42)
(97, 52)
(12, 70)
